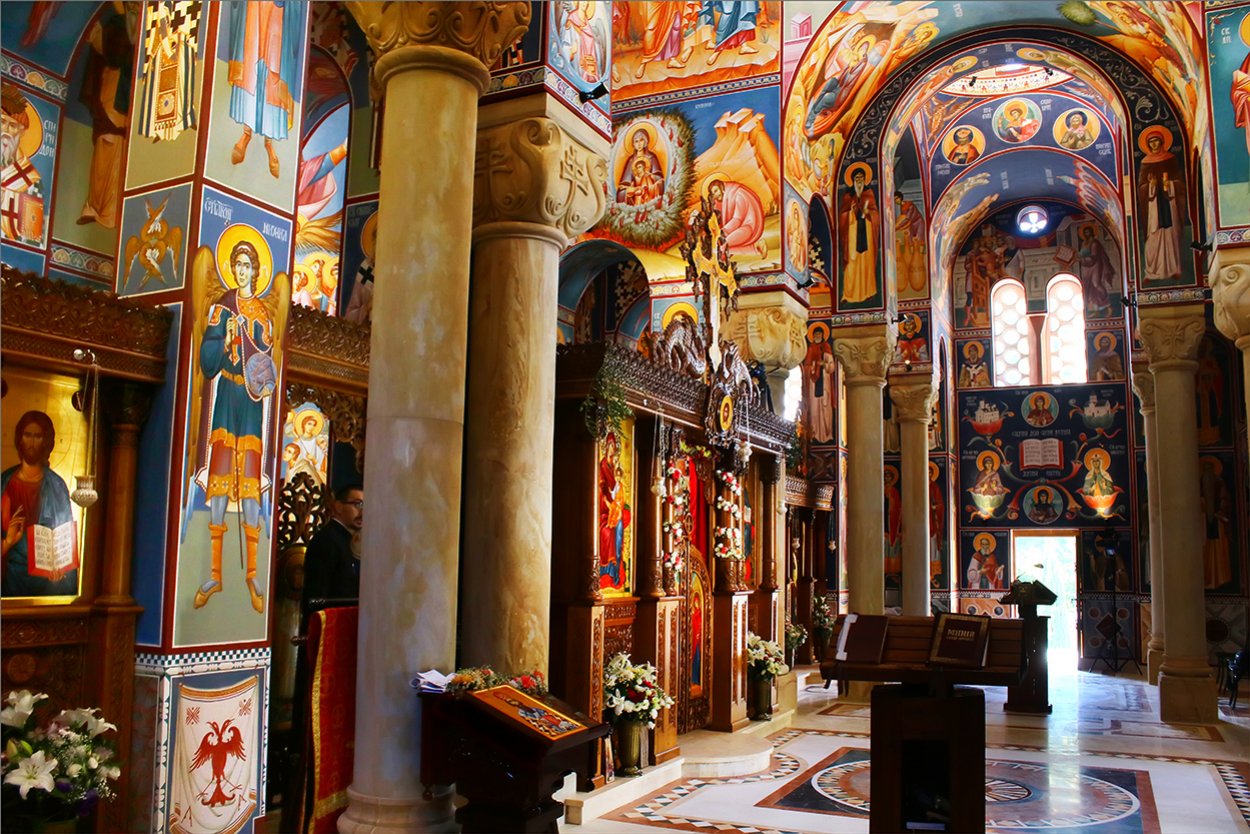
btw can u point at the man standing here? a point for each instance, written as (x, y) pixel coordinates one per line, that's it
(858, 221)
(33, 494)
(21, 198)
(331, 562)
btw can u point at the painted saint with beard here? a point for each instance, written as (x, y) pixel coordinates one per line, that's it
(21, 193)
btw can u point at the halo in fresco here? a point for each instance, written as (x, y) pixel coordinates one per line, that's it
(679, 307)
(963, 145)
(234, 234)
(1076, 135)
(1017, 120)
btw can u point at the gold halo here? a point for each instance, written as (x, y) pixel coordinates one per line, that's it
(985, 537)
(654, 144)
(1030, 53)
(817, 327)
(1244, 30)
(369, 236)
(849, 176)
(264, 270)
(1217, 464)
(1154, 130)
(679, 307)
(32, 138)
(992, 456)
(297, 422)
(912, 319)
(1105, 335)
(1050, 493)
(968, 349)
(963, 64)
(933, 471)
(1100, 454)
(1060, 127)
(705, 182)
(890, 475)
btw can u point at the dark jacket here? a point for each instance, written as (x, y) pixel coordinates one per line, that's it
(330, 569)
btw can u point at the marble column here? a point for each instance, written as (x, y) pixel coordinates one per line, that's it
(913, 401)
(1186, 688)
(1144, 386)
(535, 188)
(770, 328)
(865, 353)
(1230, 294)
(431, 65)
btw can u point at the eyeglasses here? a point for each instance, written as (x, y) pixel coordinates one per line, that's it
(359, 504)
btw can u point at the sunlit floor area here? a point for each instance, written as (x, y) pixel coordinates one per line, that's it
(1101, 763)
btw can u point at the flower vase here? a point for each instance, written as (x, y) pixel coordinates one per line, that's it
(629, 746)
(761, 698)
(823, 636)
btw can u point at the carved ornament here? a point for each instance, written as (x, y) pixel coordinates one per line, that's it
(774, 336)
(1230, 294)
(866, 359)
(1171, 334)
(482, 30)
(301, 510)
(46, 321)
(532, 171)
(327, 349)
(680, 348)
(914, 402)
(731, 389)
(1144, 386)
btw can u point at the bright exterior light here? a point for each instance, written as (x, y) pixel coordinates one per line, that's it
(1031, 220)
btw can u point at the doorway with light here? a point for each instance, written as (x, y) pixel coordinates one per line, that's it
(1051, 558)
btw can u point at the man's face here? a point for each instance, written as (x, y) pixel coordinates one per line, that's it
(717, 191)
(1015, 115)
(30, 445)
(11, 132)
(244, 271)
(963, 137)
(350, 512)
(858, 180)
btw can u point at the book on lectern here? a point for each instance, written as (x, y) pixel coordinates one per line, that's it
(961, 640)
(51, 550)
(862, 639)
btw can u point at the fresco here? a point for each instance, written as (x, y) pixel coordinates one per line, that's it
(360, 245)
(338, 36)
(615, 488)
(319, 214)
(1215, 391)
(913, 338)
(258, 89)
(305, 443)
(797, 237)
(151, 250)
(986, 558)
(1163, 212)
(663, 47)
(1105, 355)
(44, 443)
(26, 185)
(859, 235)
(893, 545)
(1106, 561)
(93, 132)
(1228, 44)
(819, 392)
(167, 92)
(665, 161)
(44, 35)
(939, 523)
(578, 45)
(240, 297)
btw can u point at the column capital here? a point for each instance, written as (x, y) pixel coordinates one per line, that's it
(1144, 386)
(431, 33)
(1230, 294)
(532, 171)
(770, 327)
(914, 399)
(1171, 334)
(865, 353)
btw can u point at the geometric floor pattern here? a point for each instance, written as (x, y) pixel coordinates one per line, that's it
(1101, 763)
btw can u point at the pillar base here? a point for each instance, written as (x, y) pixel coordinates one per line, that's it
(367, 814)
(1187, 699)
(1154, 661)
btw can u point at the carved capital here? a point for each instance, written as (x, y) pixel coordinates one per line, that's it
(480, 30)
(914, 401)
(1144, 386)
(774, 335)
(865, 359)
(1230, 294)
(532, 171)
(1171, 334)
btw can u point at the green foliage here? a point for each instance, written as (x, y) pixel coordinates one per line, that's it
(794, 454)
(660, 223)
(605, 408)
(1078, 12)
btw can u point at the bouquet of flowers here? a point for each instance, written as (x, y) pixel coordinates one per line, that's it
(630, 691)
(822, 617)
(55, 771)
(473, 678)
(796, 636)
(764, 660)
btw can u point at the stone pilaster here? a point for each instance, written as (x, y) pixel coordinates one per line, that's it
(1230, 292)
(913, 399)
(535, 187)
(432, 60)
(865, 353)
(1144, 387)
(1171, 336)
(770, 328)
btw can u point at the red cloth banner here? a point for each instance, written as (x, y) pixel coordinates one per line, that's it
(332, 657)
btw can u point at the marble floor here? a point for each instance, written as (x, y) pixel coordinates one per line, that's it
(1102, 763)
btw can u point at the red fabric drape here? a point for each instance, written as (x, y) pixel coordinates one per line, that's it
(332, 725)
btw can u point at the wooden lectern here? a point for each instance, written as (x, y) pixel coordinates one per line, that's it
(506, 752)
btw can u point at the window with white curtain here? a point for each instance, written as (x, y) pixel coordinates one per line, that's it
(1063, 338)
(1009, 317)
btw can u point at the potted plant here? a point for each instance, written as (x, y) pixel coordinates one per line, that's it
(822, 623)
(796, 635)
(54, 772)
(632, 698)
(475, 678)
(764, 662)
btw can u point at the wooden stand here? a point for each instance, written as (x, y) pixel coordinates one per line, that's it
(506, 769)
(1032, 694)
(928, 758)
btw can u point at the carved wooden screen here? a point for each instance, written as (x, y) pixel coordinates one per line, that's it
(694, 695)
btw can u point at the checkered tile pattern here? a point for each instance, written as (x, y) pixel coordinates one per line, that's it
(198, 663)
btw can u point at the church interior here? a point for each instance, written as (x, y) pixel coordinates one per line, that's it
(675, 330)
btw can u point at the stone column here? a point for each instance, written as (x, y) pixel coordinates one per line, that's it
(1230, 293)
(865, 353)
(432, 61)
(1186, 689)
(913, 400)
(770, 328)
(535, 188)
(1144, 386)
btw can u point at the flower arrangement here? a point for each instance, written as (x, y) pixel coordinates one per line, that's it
(728, 543)
(822, 617)
(631, 691)
(474, 678)
(58, 771)
(672, 560)
(796, 635)
(730, 480)
(764, 660)
(728, 506)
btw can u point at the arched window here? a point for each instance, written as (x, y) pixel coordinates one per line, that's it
(1009, 318)
(1063, 338)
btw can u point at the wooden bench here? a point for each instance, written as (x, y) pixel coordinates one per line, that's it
(905, 658)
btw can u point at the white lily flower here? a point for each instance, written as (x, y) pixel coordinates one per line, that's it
(32, 772)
